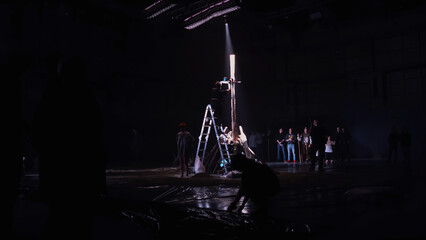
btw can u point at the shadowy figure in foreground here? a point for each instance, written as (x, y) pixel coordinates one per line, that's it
(185, 145)
(67, 132)
(258, 183)
(11, 133)
(393, 140)
(46, 131)
(405, 140)
(345, 145)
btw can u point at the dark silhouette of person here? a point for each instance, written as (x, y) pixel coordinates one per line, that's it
(393, 140)
(136, 145)
(318, 140)
(338, 145)
(12, 131)
(267, 141)
(405, 141)
(46, 120)
(219, 91)
(346, 139)
(280, 138)
(185, 146)
(67, 132)
(259, 183)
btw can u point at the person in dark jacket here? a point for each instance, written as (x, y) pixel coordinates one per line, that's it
(67, 133)
(280, 144)
(345, 147)
(258, 182)
(318, 140)
(393, 140)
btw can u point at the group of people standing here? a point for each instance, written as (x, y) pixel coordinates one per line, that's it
(314, 145)
(396, 139)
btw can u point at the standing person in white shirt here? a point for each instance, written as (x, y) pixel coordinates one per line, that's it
(329, 151)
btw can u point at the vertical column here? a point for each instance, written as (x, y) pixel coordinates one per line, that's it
(233, 99)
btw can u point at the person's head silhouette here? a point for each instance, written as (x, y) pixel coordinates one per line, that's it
(73, 72)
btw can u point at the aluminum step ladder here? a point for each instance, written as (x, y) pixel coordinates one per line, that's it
(208, 123)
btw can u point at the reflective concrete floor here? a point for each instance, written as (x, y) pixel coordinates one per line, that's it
(366, 199)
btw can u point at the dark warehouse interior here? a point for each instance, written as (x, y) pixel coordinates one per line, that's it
(93, 92)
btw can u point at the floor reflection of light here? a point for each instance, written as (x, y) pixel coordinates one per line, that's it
(291, 169)
(204, 197)
(202, 192)
(203, 204)
(153, 187)
(245, 211)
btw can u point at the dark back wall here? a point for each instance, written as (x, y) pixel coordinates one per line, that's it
(365, 71)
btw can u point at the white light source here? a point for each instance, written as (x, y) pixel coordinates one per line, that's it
(232, 63)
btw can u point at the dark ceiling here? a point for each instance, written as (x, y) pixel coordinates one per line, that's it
(272, 11)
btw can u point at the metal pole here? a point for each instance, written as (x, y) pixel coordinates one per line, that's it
(233, 99)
